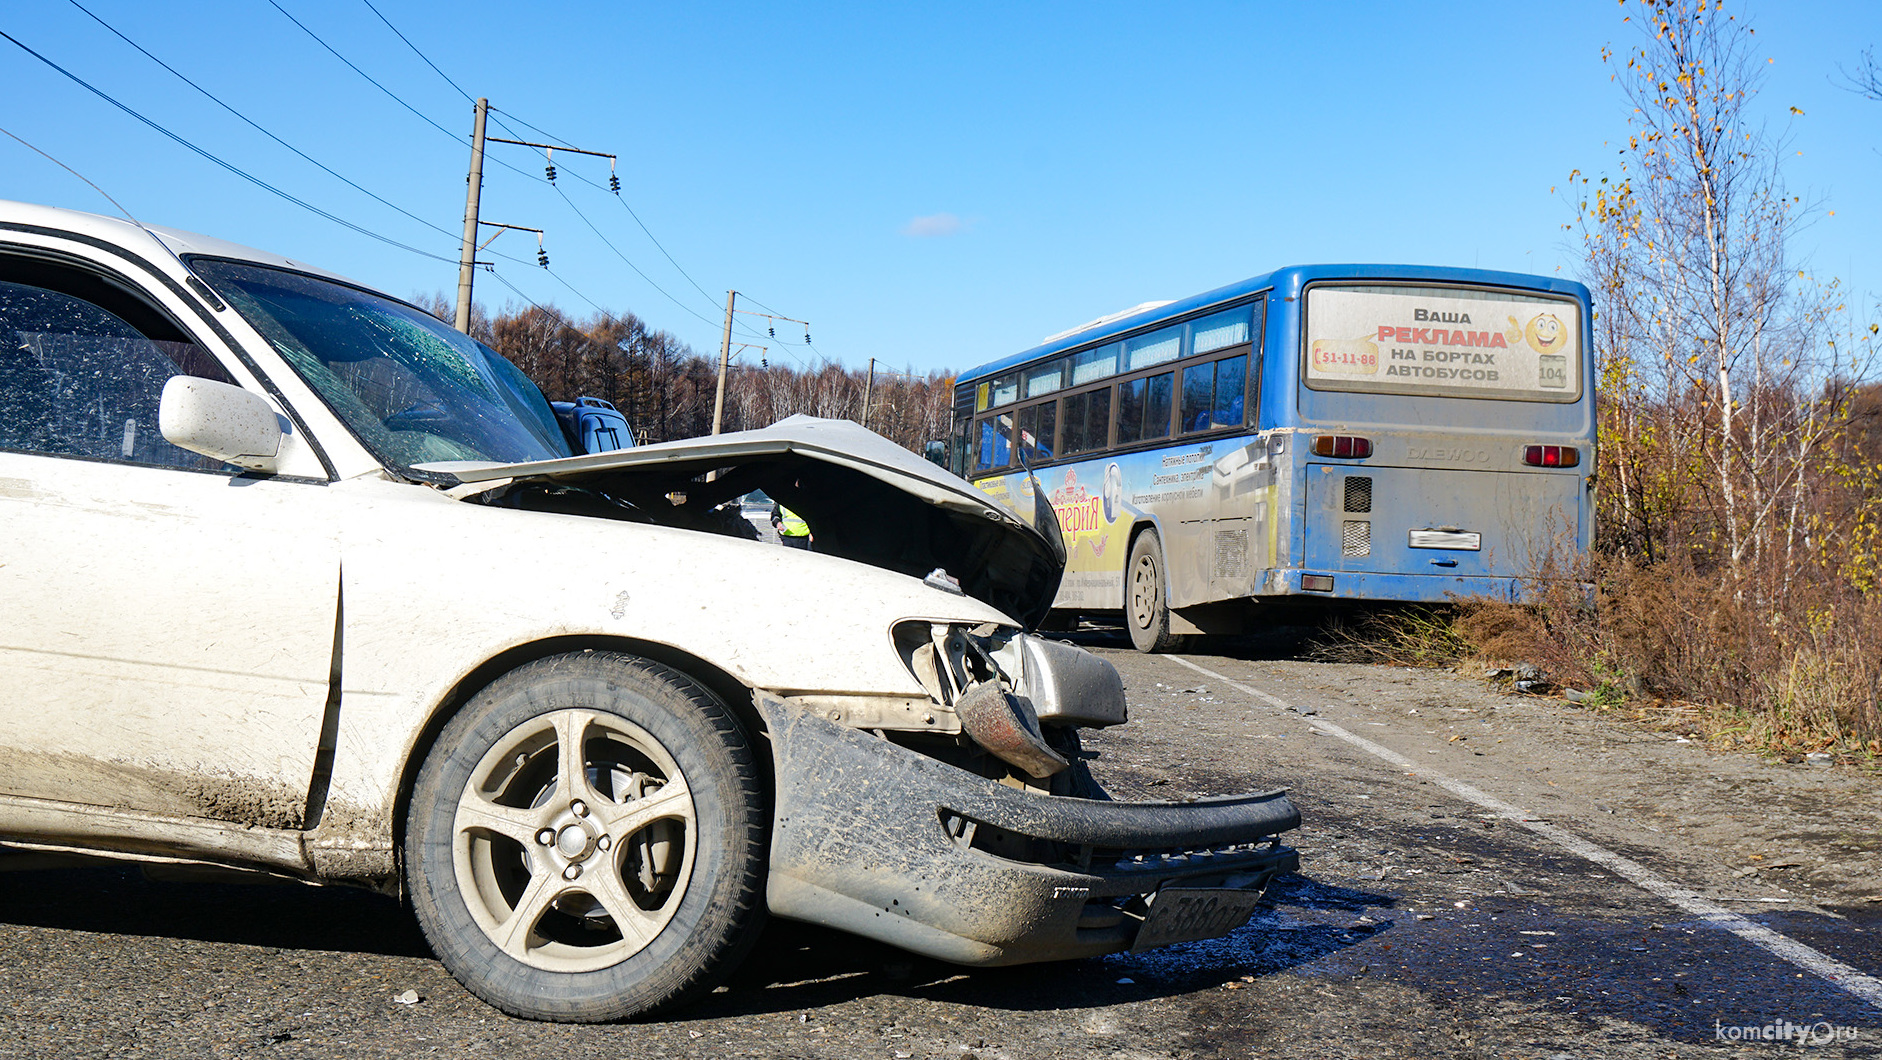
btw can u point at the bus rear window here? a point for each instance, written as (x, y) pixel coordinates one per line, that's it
(1444, 341)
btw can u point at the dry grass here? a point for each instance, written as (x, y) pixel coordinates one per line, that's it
(1396, 636)
(1670, 648)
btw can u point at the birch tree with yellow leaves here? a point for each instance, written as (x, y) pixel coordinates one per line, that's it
(1723, 378)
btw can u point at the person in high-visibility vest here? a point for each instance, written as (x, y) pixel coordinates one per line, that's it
(791, 527)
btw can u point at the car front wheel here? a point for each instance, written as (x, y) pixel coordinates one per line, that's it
(585, 841)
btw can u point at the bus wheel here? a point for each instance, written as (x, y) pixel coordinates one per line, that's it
(1146, 603)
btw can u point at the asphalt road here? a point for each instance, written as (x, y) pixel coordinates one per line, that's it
(1443, 909)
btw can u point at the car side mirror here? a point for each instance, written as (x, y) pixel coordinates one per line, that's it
(220, 421)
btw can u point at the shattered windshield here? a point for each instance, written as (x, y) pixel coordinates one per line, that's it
(414, 389)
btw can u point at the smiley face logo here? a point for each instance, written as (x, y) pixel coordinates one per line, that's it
(1546, 334)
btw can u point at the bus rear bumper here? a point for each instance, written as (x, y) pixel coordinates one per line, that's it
(1406, 588)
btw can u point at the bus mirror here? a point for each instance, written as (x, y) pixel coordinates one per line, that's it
(937, 454)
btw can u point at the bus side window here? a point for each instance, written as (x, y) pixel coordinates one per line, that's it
(992, 449)
(1038, 425)
(1198, 396)
(1143, 408)
(1087, 421)
(1213, 393)
(1231, 384)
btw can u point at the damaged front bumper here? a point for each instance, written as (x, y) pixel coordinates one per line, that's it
(884, 842)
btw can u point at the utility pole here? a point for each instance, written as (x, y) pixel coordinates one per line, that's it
(468, 256)
(725, 356)
(467, 259)
(869, 384)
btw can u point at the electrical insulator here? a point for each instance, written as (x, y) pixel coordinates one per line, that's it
(550, 170)
(614, 183)
(542, 258)
(806, 338)
(773, 330)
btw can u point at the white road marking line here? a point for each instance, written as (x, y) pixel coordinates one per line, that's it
(1835, 972)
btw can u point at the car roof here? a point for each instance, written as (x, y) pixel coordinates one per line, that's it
(132, 235)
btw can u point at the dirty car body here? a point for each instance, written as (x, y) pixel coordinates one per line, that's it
(299, 581)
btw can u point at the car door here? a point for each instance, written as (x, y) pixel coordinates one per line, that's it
(166, 624)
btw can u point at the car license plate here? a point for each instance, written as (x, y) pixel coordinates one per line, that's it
(1465, 541)
(1186, 914)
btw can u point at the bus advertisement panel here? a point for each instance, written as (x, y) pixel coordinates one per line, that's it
(1455, 343)
(1100, 502)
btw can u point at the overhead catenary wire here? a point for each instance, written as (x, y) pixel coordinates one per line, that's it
(562, 142)
(599, 234)
(498, 116)
(76, 173)
(336, 54)
(259, 128)
(629, 262)
(230, 166)
(414, 110)
(408, 43)
(251, 123)
(625, 205)
(807, 342)
(394, 96)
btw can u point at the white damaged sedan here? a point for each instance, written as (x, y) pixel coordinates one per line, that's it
(296, 580)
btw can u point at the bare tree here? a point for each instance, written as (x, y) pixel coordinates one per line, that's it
(1714, 345)
(1866, 78)
(666, 390)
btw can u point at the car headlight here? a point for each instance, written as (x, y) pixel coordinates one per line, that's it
(1006, 687)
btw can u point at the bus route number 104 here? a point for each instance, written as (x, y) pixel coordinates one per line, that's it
(1552, 372)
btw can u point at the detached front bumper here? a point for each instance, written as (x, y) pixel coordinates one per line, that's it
(881, 841)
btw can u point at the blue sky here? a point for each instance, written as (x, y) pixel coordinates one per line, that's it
(933, 185)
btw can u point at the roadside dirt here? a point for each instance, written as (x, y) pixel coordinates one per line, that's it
(1742, 824)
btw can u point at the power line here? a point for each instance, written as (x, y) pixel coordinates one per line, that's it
(421, 55)
(400, 100)
(252, 124)
(572, 289)
(395, 96)
(630, 264)
(648, 232)
(231, 167)
(77, 174)
(807, 341)
(562, 141)
(460, 89)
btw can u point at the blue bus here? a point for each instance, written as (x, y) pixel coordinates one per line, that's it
(1321, 433)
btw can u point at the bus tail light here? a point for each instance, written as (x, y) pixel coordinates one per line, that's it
(1551, 455)
(1319, 583)
(1344, 446)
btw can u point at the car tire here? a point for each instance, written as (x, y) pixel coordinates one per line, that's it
(633, 883)
(1146, 597)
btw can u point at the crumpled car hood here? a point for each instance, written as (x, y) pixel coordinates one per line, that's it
(865, 498)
